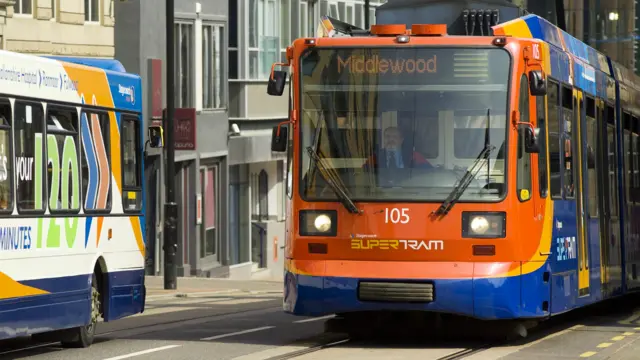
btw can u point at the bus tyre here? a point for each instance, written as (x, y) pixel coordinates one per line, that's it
(82, 337)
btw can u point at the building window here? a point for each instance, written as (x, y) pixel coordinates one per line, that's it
(92, 10)
(264, 43)
(53, 9)
(212, 66)
(29, 155)
(285, 26)
(183, 66)
(263, 195)
(208, 244)
(24, 7)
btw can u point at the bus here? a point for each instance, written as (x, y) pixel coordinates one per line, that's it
(491, 176)
(72, 229)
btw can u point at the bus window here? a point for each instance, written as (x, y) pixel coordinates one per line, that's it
(29, 154)
(62, 159)
(96, 171)
(553, 103)
(131, 162)
(6, 168)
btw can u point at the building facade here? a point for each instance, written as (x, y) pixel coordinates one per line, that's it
(257, 193)
(58, 27)
(201, 125)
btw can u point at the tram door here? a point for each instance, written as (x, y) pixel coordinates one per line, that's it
(581, 195)
(603, 192)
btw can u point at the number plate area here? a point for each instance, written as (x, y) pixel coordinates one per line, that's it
(395, 292)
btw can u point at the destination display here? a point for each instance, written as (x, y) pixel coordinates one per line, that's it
(406, 66)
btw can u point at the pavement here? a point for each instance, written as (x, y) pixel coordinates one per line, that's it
(195, 285)
(243, 320)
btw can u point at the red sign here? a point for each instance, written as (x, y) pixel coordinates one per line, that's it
(184, 128)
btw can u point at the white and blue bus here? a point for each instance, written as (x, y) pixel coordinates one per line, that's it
(72, 234)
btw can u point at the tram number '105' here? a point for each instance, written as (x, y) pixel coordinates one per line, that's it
(395, 216)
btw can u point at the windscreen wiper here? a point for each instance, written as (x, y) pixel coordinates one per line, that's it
(464, 183)
(342, 195)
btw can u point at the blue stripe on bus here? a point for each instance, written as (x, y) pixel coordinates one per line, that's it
(68, 305)
(87, 230)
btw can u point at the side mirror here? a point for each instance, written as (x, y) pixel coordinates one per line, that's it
(277, 81)
(279, 140)
(531, 144)
(156, 136)
(537, 83)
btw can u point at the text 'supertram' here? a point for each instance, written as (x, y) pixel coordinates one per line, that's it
(495, 177)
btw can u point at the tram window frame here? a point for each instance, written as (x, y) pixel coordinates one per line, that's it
(104, 119)
(6, 155)
(612, 160)
(36, 111)
(524, 179)
(635, 153)
(553, 120)
(135, 189)
(75, 122)
(541, 124)
(626, 150)
(568, 107)
(592, 183)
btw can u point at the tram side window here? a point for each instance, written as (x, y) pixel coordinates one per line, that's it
(523, 175)
(553, 104)
(28, 129)
(63, 173)
(289, 163)
(635, 144)
(542, 156)
(612, 161)
(626, 123)
(96, 151)
(131, 162)
(591, 155)
(567, 119)
(6, 165)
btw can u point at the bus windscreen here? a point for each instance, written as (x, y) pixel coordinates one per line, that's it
(394, 124)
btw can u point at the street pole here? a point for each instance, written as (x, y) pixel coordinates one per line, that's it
(170, 207)
(366, 14)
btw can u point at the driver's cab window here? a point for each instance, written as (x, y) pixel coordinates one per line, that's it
(523, 177)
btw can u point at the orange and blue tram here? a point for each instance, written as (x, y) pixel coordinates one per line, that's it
(492, 176)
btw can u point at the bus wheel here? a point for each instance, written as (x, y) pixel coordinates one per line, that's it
(82, 337)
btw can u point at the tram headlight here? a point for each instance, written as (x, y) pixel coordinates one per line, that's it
(322, 223)
(479, 225)
(318, 223)
(484, 224)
